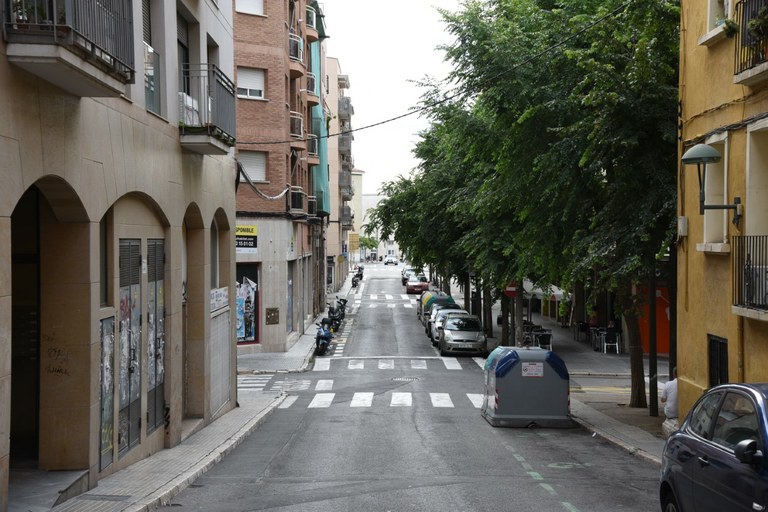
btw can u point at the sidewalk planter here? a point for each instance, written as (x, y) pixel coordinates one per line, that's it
(526, 387)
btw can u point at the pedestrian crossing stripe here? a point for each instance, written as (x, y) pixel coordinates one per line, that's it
(366, 399)
(253, 383)
(386, 363)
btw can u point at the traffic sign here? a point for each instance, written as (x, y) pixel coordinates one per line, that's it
(511, 290)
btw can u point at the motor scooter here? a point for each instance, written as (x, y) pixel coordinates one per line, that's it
(336, 313)
(322, 338)
(355, 281)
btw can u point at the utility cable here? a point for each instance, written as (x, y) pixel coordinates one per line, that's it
(453, 96)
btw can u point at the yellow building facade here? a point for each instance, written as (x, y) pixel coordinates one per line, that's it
(722, 242)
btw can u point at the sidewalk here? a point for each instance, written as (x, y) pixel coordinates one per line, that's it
(154, 481)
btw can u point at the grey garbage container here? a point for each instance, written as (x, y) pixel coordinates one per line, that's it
(526, 387)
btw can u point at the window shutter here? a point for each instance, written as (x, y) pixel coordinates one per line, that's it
(254, 163)
(250, 6)
(147, 21)
(250, 82)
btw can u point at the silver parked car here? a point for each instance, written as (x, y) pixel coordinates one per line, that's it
(440, 316)
(463, 335)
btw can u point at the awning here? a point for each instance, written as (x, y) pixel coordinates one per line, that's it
(544, 292)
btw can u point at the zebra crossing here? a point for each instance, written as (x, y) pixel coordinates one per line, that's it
(386, 300)
(368, 399)
(386, 363)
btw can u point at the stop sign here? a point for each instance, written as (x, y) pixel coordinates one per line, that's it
(511, 290)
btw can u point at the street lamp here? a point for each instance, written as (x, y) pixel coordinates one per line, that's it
(701, 155)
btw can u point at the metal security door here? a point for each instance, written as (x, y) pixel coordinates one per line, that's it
(155, 333)
(129, 426)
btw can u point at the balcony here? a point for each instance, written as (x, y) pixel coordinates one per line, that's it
(296, 54)
(296, 203)
(313, 98)
(85, 48)
(152, 80)
(311, 25)
(347, 162)
(206, 110)
(345, 144)
(346, 110)
(312, 216)
(296, 130)
(751, 59)
(750, 276)
(346, 218)
(313, 149)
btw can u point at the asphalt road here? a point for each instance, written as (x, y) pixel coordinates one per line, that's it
(385, 424)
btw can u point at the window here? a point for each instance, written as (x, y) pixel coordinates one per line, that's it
(250, 7)
(715, 221)
(718, 360)
(718, 11)
(254, 163)
(250, 83)
(703, 415)
(736, 421)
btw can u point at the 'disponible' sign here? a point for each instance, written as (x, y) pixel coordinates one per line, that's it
(246, 239)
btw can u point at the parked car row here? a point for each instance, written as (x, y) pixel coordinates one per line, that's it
(450, 328)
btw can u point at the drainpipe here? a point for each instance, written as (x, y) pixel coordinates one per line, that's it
(740, 339)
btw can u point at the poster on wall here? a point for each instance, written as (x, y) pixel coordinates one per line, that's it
(246, 310)
(246, 239)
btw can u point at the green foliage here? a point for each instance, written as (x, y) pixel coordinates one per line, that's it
(555, 156)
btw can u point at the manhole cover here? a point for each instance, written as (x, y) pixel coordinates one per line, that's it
(405, 379)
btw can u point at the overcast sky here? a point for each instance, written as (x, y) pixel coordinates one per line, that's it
(381, 46)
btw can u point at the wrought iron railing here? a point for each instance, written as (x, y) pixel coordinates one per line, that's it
(312, 144)
(312, 205)
(311, 83)
(751, 37)
(345, 107)
(101, 32)
(207, 102)
(750, 271)
(345, 144)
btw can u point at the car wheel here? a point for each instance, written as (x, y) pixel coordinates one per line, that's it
(669, 503)
(443, 352)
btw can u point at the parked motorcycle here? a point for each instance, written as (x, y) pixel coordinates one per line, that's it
(355, 281)
(323, 337)
(359, 273)
(337, 313)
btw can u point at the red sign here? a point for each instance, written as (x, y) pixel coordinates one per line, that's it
(511, 290)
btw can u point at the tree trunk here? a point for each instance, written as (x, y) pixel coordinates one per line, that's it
(519, 317)
(637, 368)
(504, 320)
(467, 291)
(487, 311)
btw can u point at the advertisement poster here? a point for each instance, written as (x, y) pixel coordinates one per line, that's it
(245, 302)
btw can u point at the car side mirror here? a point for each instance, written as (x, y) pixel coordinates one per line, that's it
(746, 452)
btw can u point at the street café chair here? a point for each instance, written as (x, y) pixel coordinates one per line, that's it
(611, 338)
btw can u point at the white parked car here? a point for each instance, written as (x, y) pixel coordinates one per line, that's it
(390, 260)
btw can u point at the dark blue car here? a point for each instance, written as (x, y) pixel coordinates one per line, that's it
(716, 460)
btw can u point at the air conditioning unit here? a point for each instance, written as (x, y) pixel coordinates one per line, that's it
(754, 286)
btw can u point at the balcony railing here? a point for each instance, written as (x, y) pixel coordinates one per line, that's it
(312, 206)
(296, 200)
(99, 32)
(311, 17)
(345, 108)
(347, 162)
(345, 179)
(751, 45)
(345, 144)
(297, 125)
(750, 271)
(312, 144)
(346, 217)
(296, 48)
(152, 79)
(311, 84)
(207, 103)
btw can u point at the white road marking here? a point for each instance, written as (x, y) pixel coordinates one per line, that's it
(480, 361)
(361, 400)
(324, 385)
(356, 364)
(451, 363)
(407, 306)
(392, 305)
(476, 399)
(288, 402)
(371, 306)
(405, 296)
(321, 400)
(386, 364)
(322, 365)
(441, 400)
(388, 297)
(418, 364)
(374, 297)
(401, 400)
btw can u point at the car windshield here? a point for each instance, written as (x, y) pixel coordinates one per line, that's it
(462, 324)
